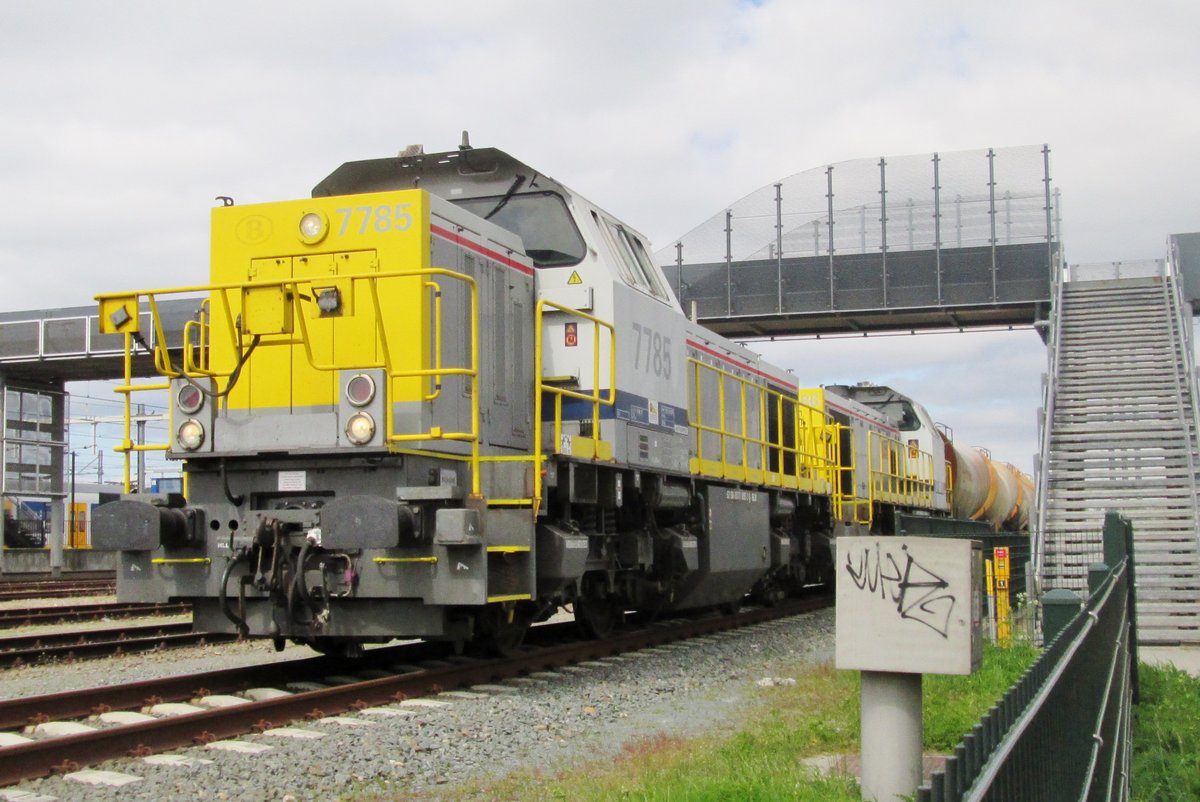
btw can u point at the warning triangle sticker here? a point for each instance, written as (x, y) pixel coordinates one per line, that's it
(574, 279)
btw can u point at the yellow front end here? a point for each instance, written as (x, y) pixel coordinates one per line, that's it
(307, 298)
(303, 294)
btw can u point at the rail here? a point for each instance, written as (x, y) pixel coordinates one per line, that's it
(1046, 421)
(279, 319)
(850, 507)
(809, 462)
(1063, 731)
(1185, 373)
(899, 474)
(580, 446)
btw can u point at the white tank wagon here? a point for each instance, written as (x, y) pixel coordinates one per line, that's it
(970, 485)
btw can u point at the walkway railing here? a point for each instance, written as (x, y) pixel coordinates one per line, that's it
(1063, 731)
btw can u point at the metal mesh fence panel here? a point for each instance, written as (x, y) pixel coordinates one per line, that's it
(1067, 555)
(975, 198)
(911, 232)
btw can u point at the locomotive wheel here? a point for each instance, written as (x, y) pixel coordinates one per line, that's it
(769, 593)
(598, 616)
(501, 629)
(337, 647)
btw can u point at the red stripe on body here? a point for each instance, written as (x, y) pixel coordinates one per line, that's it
(458, 239)
(742, 365)
(854, 414)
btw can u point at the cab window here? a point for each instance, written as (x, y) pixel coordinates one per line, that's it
(540, 219)
(633, 263)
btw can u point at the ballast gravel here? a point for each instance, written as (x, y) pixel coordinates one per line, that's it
(400, 751)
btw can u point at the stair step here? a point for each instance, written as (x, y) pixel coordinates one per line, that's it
(1142, 474)
(1121, 434)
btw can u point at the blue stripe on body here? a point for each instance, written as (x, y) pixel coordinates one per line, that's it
(628, 407)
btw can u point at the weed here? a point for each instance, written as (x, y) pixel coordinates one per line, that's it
(763, 758)
(1166, 735)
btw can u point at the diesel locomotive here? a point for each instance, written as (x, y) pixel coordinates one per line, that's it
(446, 396)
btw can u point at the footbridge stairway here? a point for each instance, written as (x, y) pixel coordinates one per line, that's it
(1119, 432)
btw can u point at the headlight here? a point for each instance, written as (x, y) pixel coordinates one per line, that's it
(360, 390)
(360, 428)
(313, 227)
(190, 399)
(190, 434)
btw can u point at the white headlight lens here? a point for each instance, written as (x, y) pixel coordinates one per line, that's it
(360, 428)
(190, 434)
(313, 226)
(190, 399)
(360, 390)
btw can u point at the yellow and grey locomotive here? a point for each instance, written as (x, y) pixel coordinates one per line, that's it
(447, 395)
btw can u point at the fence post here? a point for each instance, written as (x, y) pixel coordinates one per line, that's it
(1126, 538)
(1114, 538)
(1059, 606)
(1118, 545)
(1097, 573)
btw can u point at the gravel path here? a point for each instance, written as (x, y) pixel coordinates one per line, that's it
(542, 722)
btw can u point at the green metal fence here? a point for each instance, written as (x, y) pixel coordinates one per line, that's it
(1063, 731)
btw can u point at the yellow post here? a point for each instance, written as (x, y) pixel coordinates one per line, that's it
(1003, 612)
(991, 597)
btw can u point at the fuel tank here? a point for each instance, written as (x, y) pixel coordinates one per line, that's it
(987, 490)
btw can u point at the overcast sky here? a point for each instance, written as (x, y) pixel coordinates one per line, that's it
(122, 120)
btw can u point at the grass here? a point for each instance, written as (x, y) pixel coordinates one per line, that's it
(953, 705)
(762, 758)
(1166, 736)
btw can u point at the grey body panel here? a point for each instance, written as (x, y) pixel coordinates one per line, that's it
(735, 548)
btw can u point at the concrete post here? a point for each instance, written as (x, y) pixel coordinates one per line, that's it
(58, 531)
(891, 735)
(58, 503)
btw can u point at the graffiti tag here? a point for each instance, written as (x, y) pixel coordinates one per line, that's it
(919, 594)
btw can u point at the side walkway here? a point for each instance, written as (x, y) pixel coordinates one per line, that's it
(1186, 658)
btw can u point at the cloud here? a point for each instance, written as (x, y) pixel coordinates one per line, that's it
(123, 120)
(986, 386)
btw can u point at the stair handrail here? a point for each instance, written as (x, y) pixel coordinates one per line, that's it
(1187, 340)
(1049, 390)
(1173, 297)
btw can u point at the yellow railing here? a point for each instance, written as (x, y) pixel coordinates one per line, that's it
(949, 487)
(593, 447)
(812, 450)
(126, 389)
(850, 506)
(119, 313)
(898, 473)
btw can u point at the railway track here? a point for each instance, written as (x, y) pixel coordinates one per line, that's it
(40, 648)
(41, 757)
(27, 578)
(88, 612)
(56, 589)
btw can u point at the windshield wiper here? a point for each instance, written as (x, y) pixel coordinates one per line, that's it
(516, 184)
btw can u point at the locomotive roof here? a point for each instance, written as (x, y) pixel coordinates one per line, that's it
(466, 172)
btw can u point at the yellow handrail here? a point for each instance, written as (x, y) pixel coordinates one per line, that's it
(813, 447)
(899, 474)
(559, 393)
(290, 291)
(191, 366)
